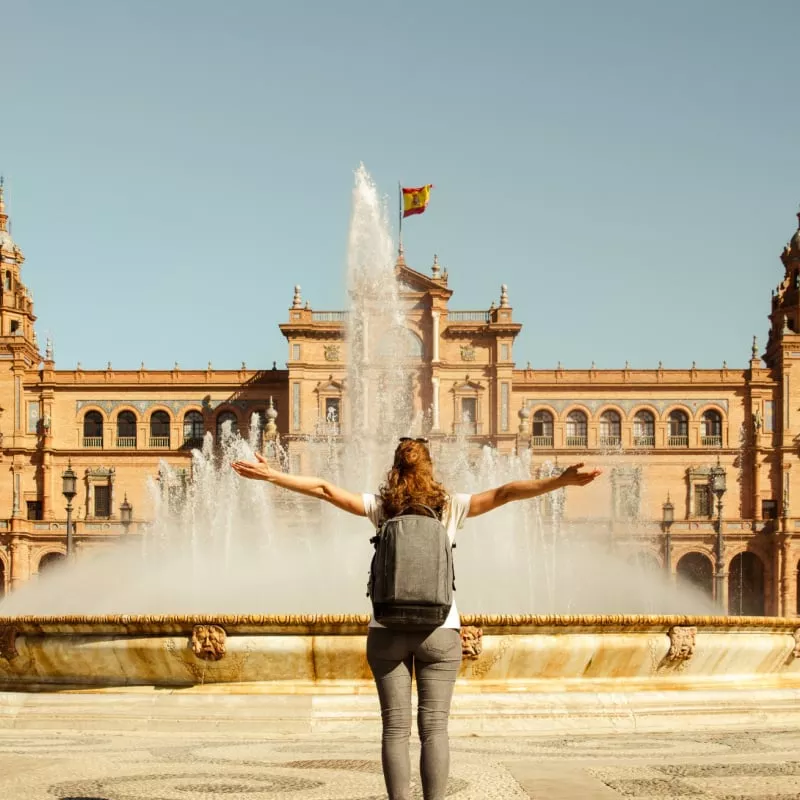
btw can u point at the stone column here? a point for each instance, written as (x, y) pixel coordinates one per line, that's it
(722, 592)
(720, 575)
(756, 485)
(435, 389)
(16, 476)
(111, 493)
(784, 609)
(792, 570)
(774, 589)
(47, 470)
(20, 563)
(435, 334)
(365, 403)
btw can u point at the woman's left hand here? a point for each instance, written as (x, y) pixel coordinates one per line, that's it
(572, 476)
(261, 471)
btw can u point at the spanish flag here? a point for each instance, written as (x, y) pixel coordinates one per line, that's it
(415, 201)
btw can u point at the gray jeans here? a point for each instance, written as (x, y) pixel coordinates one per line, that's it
(434, 658)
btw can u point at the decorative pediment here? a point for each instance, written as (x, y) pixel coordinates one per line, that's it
(468, 386)
(330, 386)
(409, 281)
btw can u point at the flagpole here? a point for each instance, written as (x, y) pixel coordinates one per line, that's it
(400, 218)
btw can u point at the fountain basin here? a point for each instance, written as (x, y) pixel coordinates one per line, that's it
(309, 672)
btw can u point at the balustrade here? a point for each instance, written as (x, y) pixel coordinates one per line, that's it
(468, 316)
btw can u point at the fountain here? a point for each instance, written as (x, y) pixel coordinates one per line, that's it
(243, 605)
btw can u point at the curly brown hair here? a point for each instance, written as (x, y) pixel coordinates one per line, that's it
(410, 481)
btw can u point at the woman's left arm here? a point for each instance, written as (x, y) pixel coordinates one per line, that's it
(311, 487)
(527, 489)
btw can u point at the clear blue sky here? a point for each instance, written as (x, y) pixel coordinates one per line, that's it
(630, 169)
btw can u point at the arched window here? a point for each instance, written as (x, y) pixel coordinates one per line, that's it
(7, 281)
(644, 429)
(678, 429)
(227, 425)
(542, 429)
(159, 429)
(50, 560)
(92, 429)
(193, 429)
(711, 429)
(696, 570)
(610, 429)
(126, 429)
(402, 343)
(746, 586)
(577, 429)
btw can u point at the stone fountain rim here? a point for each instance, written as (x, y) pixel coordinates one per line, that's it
(355, 624)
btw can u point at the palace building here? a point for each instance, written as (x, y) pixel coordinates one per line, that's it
(701, 475)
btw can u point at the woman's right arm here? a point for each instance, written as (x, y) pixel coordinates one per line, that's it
(524, 490)
(309, 486)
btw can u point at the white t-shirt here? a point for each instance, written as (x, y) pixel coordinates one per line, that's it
(454, 516)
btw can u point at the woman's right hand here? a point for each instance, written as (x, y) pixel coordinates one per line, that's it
(261, 471)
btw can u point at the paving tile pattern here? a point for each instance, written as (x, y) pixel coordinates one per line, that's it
(52, 765)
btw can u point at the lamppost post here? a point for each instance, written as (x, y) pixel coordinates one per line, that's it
(667, 518)
(718, 488)
(126, 514)
(69, 488)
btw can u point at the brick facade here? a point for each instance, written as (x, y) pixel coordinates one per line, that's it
(656, 433)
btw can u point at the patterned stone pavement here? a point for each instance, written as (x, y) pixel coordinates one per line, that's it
(53, 765)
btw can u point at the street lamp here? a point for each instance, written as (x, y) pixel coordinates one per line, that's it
(667, 518)
(126, 514)
(718, 488)
(69, 488)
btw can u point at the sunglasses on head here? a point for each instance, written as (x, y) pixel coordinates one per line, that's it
(420, 439)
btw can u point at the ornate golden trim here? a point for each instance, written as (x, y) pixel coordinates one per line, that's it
(185, 622)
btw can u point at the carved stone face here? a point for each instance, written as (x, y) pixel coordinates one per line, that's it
(208, 642)
(471, 641)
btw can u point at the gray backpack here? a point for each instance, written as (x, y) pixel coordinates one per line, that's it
(411, 579)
